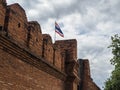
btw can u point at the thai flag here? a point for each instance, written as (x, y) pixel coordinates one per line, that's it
(58, 30)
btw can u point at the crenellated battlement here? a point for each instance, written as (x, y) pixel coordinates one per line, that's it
(3, 3)
(29, 35)
(35, 62)
(2, 13)
(34, 38)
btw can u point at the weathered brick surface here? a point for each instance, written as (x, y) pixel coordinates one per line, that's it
(30, 61)
(16, 23)
(93, 86)
(47, 48)
(2, 13)
(69, 53)
(34, 38)
(57, 58)
(68, 47)
(18, 75)
(87, 77)
(86, 80)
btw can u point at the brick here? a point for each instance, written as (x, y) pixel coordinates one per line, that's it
(20, 75)
(34, 38)
(47, 48)
(69, 47)
(57, 57)
(30, 61)
(2, 13)
(86, 80)
(16, 24)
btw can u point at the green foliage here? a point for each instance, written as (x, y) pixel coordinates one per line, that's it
(113, 83)
(115, 49)
(108, 85)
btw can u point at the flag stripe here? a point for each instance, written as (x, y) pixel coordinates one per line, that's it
(59, 33)
(58, 30)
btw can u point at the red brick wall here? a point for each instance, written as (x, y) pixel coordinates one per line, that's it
(16, 23)
(68, 51)
(47, 48)
(87, 82)
(56, 68)
(2, 13)
(68, 47)
(34, 38)
(93, 86)
(18, 75)
(86, 69)
(57, 58)
(69, 60)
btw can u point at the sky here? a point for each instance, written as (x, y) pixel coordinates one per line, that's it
(90, 22)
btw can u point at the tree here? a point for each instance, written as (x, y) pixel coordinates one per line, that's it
(113, 83)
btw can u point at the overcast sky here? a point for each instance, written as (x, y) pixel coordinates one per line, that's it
(91, 22)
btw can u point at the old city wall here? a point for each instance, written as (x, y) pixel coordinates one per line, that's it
(47, 48)
(29, 58)
(16, 23)
(2, 13)
(86, 80)
(19, 75)
(69, 59)
(34, 38)
(68, 47)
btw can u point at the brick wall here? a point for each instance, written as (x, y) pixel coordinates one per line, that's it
(34, 38)
(2, 13)
(29, 59)
(16, 24)
(57, 58)
(69, 60)
(86, 80)
(18, 75)
(47, 48)
(68, 47)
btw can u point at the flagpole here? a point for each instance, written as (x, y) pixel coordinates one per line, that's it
(55, 37)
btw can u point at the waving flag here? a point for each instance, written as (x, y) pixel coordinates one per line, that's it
(58, 30)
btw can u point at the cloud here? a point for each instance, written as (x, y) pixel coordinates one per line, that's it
(91, 22)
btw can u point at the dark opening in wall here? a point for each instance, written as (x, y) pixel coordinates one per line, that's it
(0, 28)
(46, 41)
(19, 25)
(37, 40)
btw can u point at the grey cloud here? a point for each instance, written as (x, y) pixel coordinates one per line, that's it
(59, 11)
(92, 41)
(29, 4)
(111, 10)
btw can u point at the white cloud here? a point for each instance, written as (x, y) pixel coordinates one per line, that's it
(60, 2)
(15, 1)
(91, 22)
(111, 27)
